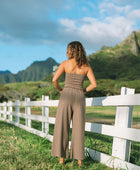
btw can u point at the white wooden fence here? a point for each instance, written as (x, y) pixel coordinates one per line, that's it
(122, 132)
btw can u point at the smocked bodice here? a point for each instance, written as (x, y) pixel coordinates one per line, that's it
(73, 80)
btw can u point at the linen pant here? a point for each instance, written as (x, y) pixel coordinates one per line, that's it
(71, 106)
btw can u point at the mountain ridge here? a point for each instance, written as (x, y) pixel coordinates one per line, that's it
(35, 72)
(5, 72)
(119, 62)
(131, 45)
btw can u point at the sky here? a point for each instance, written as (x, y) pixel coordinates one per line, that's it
(34, 30)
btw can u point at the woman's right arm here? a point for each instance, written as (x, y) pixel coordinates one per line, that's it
(92, 80)
(57, 74)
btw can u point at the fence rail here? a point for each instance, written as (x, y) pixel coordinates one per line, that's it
(121, 132)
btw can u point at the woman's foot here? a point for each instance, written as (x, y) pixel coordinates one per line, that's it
(79, 162)
(61, 160)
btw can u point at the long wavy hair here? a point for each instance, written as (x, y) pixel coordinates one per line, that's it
(78, 52)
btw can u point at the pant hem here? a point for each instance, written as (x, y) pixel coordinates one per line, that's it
(58, 155)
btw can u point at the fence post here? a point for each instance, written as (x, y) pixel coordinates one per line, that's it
(17, 110)
(0, 111)
(45, 113)
(121, 147)
(10, 109)
(5, 110)
(28, 112)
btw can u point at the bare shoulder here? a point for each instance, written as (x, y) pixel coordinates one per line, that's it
(87, 68)
(63, 63)
(66, 63)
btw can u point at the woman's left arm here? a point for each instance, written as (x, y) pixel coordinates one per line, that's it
(58, 73)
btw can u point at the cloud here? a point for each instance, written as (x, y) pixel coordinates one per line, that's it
(96, 33)
(114, 23)
(28, 20)
(135, 14)
(127, 10)
(69, 24)
(113, 9)
(134, 3)
(45, 22)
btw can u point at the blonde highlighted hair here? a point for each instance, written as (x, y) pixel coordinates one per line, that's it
(78, 52)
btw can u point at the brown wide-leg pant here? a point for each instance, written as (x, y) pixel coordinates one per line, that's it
(71, 106)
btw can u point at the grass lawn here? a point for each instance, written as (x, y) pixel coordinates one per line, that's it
(102, 143)
(22, 150)
(103, 115)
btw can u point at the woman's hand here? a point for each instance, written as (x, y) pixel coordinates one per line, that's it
(84, 90)
(60, 91)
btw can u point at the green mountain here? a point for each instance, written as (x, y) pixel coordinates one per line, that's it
(35, 72)
(38, 70)
(5, 72)
(120, 62)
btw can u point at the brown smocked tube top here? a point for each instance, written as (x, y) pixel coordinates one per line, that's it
(73, 80)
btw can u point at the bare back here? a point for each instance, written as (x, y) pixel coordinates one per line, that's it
(72, 67)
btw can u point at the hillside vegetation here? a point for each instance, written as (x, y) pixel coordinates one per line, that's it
(35, 90)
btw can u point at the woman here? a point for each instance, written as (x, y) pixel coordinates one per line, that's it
(72, 103)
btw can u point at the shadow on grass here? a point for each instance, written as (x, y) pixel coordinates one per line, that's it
(100, 115)
(5, 125)
(36, 125)
(99, 136)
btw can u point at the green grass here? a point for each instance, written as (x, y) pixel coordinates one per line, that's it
(103, 143)
(105, 115)
(22, 150)
(95, 141)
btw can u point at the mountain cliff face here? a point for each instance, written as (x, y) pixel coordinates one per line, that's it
(133, 42)
(119, 62)
(130, 46)
(35, 72)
